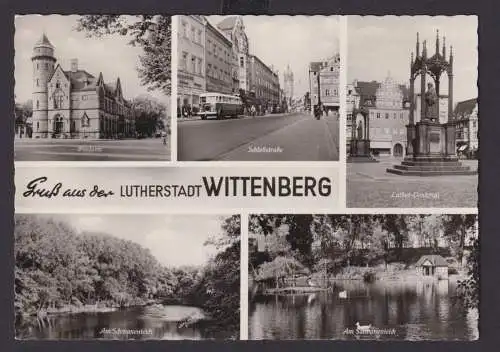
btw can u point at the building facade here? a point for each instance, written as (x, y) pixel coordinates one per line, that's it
(264, 82)
(220, 61)
(328, 72)
(467, 118)
(191, 80)
(74, 103)
(234, 29)
(388, 108)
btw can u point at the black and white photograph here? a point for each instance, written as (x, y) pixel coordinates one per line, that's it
(127, 277)
(412, 112)
(92, 88)
(363, 277)
(257, 88)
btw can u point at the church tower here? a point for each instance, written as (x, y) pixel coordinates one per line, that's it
(288, 80)
(43, 66)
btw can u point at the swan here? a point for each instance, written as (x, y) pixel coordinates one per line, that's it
(311, 298)
(363, 327)
(311, 283)
(343, 294)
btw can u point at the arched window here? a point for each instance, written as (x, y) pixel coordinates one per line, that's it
(37, 82)
(37, 104)
(85, 120)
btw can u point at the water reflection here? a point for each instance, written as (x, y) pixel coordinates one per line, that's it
(428, 310)
(140, 323)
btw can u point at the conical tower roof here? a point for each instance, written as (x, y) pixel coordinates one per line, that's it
(44, 41)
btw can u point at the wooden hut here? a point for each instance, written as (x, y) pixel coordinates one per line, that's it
(433, 266)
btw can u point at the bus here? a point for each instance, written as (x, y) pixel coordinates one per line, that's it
(219, 105)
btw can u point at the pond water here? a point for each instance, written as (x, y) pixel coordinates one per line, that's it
(395, 310)
(142, 323)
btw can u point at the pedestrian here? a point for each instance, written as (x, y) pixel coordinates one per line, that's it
(252, 110)
(164, 137)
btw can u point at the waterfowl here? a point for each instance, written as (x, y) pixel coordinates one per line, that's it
(363, 327)
(343, 294)
(311, 283)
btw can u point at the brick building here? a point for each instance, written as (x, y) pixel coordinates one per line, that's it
(74, 103)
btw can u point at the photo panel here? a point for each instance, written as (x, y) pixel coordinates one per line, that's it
(412, 112)
(127, 276)
(92, 88)
(363, 277)
(247, 88)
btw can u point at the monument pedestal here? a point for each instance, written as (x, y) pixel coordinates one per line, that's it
(359, 152)
(431, 151)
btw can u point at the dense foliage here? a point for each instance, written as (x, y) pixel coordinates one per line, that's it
(150, 32)
(329, 243)
(57, 268)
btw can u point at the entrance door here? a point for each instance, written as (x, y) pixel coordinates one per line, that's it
(58, 125)
(398, 150)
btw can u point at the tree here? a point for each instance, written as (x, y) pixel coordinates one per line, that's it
(150, 32)
(149, 114)
(397, 227)
(456, 228)
(469, 288)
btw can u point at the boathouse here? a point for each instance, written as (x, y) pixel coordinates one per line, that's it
(433, 266)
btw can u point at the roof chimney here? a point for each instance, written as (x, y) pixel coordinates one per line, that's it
(74, 65)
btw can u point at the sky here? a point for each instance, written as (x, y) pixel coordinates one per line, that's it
(110, 55)
(174, 240)
(378, 46)
(293, 40)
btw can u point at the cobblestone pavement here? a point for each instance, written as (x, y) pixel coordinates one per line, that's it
(370, 186)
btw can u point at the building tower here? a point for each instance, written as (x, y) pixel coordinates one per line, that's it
(288, 83)
(43, 66)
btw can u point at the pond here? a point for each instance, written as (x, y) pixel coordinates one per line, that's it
(141, 323)
(395, 310)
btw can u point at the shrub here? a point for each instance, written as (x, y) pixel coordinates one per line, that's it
(452, 271)
(369, 276)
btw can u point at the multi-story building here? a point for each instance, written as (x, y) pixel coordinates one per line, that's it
(191, 60)
(466, 116)
(264, 82)
(220, 61)
(233, 28)
(74, 103)
(387, 105)
(328, 72)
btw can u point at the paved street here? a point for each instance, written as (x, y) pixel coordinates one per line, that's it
(91, 150)
(370, 186)
(294, 137)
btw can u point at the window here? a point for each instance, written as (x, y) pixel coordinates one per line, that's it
(46, 66)
(386, 115)
(184, 29)
(242, 63)
(378, 115)
(209, 70)
(474, 124)
(327, 92)
(37, 125)
(85, 120)
(58, 85)
(349, 117)
(37, 82)
(200, 64)
(184, 61)
(199, 36)
(402, 116)
(37, 104)
(394, 115)
(371, 114)
(193, 63)
(193, 34)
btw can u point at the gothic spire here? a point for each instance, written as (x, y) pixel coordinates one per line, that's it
(437, 41)
(444, 48)
(418, 47)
